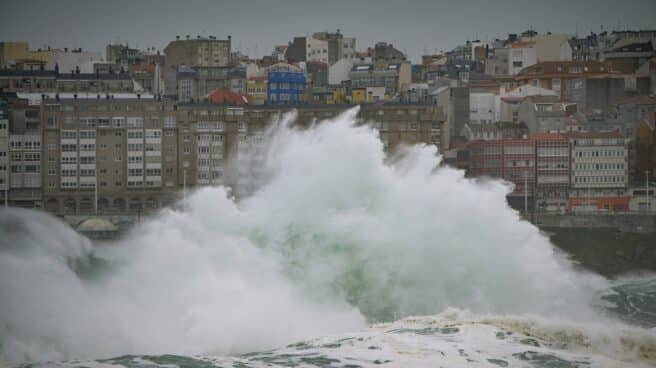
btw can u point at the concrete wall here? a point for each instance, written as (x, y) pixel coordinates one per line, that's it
(623, 222)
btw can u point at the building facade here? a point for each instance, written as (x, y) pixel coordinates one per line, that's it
(599, 173)
(553, 164)
(285, 85)
(199, 52)
(108, 156)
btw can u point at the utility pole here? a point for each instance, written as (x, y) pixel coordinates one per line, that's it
(589, 199)
(647, 190)
(525, 192)
(95, 195)
(184, 190)
(211, 157)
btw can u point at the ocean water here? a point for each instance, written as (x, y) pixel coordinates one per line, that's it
(342, 258)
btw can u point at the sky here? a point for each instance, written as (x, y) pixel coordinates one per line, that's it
(256, 26)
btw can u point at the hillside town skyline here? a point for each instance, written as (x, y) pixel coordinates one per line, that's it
(258, 26)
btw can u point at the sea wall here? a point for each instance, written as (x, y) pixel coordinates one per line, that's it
(633, 223)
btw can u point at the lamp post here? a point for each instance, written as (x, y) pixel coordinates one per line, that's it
(184, 190)
(647, 190)
(525, 191)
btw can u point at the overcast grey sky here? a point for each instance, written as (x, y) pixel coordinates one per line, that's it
(256, 26)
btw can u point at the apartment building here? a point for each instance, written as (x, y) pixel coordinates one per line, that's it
(513, 160)
(129, 154)
(325, 47)
(20, 151)
(194, 52)
(195, 84)
(226, 144)
(521, 55)
(286, 84)
(552, 171)
(339, 47)
(392, 76)
(599, 171)
(547, 114)
(590, 84)
(113, 155)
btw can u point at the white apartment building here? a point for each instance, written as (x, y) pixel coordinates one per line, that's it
(210, 141)
(25, 160)
(521, 55)
(599, 160)
(484, 107)
(317, 50)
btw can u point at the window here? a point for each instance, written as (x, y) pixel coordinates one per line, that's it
(87, 134)
(68, 134)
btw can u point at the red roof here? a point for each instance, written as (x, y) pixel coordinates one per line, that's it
(547, 136)
(226, 96)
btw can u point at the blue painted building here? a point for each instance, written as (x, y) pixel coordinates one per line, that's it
(285, 85)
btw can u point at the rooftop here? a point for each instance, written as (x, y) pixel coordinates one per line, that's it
(560, 68)
(547, 136)
(35, 98)
(593, 135)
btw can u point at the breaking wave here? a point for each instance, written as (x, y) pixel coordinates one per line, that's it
(336, 238)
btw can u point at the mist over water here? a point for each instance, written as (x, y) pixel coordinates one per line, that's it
(337, 237)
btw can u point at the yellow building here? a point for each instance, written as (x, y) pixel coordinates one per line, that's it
(339, 96)
(256, 88)
(11, 52)
(359, 95)
(368, 94)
